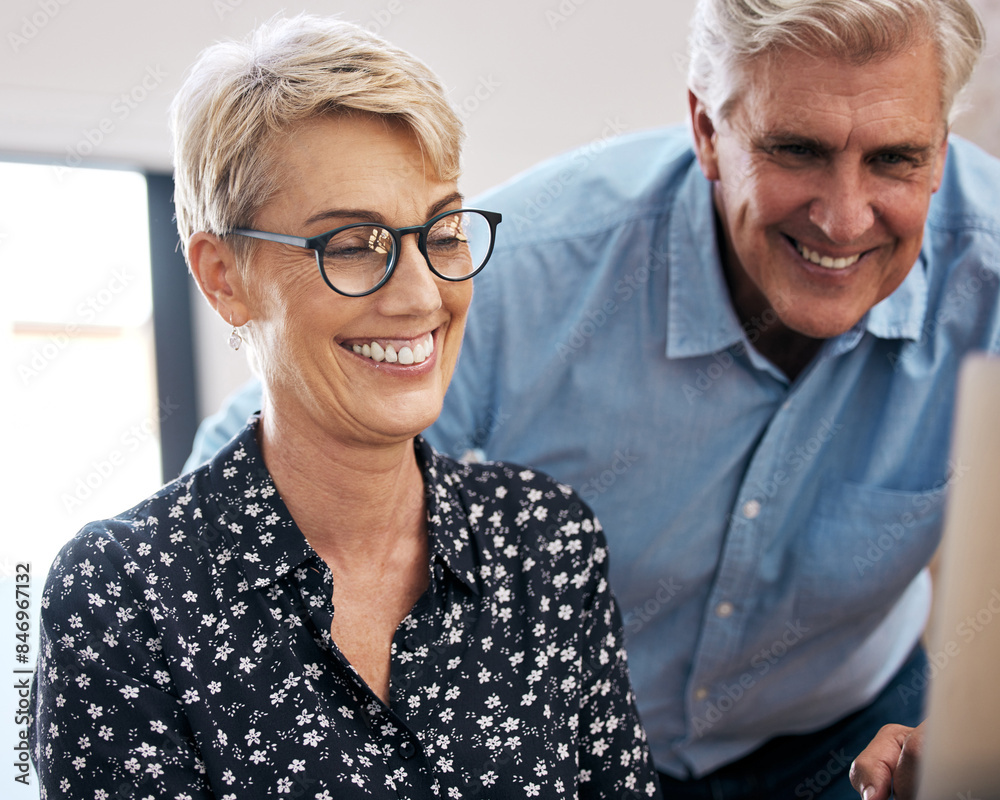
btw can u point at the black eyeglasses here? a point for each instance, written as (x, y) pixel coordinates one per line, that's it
(358, 259)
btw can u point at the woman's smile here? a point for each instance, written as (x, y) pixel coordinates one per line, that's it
(403, 351)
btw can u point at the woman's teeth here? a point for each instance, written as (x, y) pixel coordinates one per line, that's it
(825, 261)
(405, 355)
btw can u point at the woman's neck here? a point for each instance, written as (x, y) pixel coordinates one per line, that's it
(357, 504)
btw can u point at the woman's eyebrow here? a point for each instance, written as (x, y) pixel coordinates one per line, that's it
(443, 203)
(346, 213)
(374, 216)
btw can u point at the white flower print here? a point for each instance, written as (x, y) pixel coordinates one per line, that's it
(231, 611)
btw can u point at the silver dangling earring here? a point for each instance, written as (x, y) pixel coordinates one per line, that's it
(235, 340)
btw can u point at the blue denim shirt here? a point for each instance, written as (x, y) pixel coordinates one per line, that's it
(768, 538)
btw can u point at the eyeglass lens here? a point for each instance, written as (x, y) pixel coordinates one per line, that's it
(356, 259)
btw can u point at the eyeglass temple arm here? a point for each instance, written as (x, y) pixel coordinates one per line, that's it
(281, 238)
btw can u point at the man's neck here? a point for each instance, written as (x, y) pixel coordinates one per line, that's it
(789, 350)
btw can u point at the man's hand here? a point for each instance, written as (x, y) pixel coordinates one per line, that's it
(889, 764)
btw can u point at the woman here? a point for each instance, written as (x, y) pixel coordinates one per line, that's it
(329, 609)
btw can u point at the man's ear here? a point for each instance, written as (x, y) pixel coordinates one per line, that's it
(939, 164)
(704, 137)
(213, 266)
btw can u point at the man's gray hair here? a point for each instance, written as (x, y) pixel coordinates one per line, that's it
(728, 34)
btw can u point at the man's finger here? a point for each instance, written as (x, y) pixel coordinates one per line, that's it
(905, 776)
(872, 770)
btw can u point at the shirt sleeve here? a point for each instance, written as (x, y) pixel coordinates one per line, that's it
(105, 721)
(614, 753)
(224, 424)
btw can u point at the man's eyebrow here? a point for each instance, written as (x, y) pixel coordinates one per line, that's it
(369, 215)
(908, 149)
(770, 141)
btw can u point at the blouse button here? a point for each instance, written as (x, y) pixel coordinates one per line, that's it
(407, 750)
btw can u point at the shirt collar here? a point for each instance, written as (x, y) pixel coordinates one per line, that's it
(246, 504)
(449, 516)
(251, 515)
(698, 289)
(901, 314)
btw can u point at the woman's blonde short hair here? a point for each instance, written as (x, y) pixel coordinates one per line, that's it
(239, 97)
(726, 35)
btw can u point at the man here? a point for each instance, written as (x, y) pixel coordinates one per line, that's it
(742, 352)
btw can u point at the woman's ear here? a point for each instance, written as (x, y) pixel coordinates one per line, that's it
(704, 137)
(213, 266)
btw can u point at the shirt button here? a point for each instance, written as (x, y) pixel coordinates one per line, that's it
(701, 694)
(724, 609)
(407, 750)
(751, 509)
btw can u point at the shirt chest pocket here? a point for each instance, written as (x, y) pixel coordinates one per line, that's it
(862, 547)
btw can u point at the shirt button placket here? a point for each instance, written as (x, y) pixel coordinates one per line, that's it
(407, 750)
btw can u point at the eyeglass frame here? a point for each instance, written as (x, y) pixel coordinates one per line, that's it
(318, 244)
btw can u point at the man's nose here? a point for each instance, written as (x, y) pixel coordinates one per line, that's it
(844, 207)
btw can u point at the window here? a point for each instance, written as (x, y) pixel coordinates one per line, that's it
(83, 438)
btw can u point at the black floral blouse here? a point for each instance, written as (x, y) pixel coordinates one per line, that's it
(186, 652)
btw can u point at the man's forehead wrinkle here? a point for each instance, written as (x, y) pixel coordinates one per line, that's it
(767, 111)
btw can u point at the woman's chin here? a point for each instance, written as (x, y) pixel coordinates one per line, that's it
(403, 424)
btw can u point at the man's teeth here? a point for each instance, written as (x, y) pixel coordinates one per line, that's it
(406, 355)
(825, 261)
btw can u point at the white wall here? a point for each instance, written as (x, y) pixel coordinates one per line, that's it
(532, 77)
